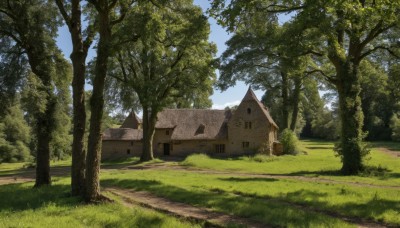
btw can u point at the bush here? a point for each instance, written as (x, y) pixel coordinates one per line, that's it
(289, 141)
(395, 126)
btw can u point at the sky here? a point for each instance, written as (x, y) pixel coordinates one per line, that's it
(232, 96)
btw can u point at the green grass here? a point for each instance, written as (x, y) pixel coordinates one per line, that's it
(21, 167)
(23, 206)
(270, 200)
(242, 196)
(317, 159)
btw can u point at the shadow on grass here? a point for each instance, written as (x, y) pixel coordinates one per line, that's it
(375, 207)
(268, 212)
(245, 179)
(320, 147)
(393, 146)
(30, 172)
(16, 197)
(316, 173)
(370, 171)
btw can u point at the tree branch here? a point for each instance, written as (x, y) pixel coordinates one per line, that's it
(8, 14)
(64, 13)
(280, 8)
(10, 34)
(388, 49)
(328, 78)
(91, 32)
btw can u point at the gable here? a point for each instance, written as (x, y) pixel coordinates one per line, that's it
(131, 121)
(250, 108)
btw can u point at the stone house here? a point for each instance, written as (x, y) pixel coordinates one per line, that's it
(180, 132)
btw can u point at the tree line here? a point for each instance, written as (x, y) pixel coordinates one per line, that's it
(155, 54)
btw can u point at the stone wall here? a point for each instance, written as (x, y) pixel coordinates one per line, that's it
(256, 135)
(119, 149)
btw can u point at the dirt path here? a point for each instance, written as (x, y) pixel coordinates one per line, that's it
(183, 210)
(221, 219)
(391, 153)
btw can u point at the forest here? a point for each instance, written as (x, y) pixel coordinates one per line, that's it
(331, 71)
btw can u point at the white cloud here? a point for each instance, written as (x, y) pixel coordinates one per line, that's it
(222, 106)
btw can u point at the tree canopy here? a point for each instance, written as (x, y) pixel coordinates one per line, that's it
(169, 63)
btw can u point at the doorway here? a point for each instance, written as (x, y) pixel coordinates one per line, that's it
(167, 148)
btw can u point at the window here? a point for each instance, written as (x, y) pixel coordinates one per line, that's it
(131, 143)
(200, 129)
(220, 148)
(249, 111)
(245, 144)
(167, 132)
(128, 151)
(247, 125)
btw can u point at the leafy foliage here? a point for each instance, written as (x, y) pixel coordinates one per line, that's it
(289, 141)
(395, 126)
(14, 136)
(169, 64)
(337, 35)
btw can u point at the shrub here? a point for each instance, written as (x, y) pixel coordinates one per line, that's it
(289, 141)
(395, 126)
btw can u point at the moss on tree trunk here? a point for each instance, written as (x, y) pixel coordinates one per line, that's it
(351, 118)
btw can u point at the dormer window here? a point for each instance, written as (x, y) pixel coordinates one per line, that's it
(248, 110)
(200, 129)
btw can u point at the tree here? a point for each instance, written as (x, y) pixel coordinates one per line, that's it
(14, 135)
(12, 71)
(255, 55)
(32, 26)
(375, 100)
(80, 46)
(169, 63)
(338, 35)
(60, 144)
(108, 14)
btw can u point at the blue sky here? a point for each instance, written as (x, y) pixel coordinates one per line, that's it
(219, 36)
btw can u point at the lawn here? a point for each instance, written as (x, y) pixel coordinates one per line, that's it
(288, 191)
(316, 159)
(23, 206)
(275, 200)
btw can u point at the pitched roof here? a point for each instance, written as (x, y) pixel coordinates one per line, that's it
(131, 121)
(122, 134)
(195, 124)
(250, 96)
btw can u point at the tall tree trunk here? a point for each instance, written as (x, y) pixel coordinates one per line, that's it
(78, 58)
(148, 135)
(351, 118)
(295, 102)
(92, 191)
(285, 101)
(79, 119)
(44, 130)
(41, 66)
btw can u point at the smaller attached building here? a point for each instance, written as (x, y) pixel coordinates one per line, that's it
(180, 132)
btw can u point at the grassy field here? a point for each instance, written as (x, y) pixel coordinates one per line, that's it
(288, 191)
(23, 206)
